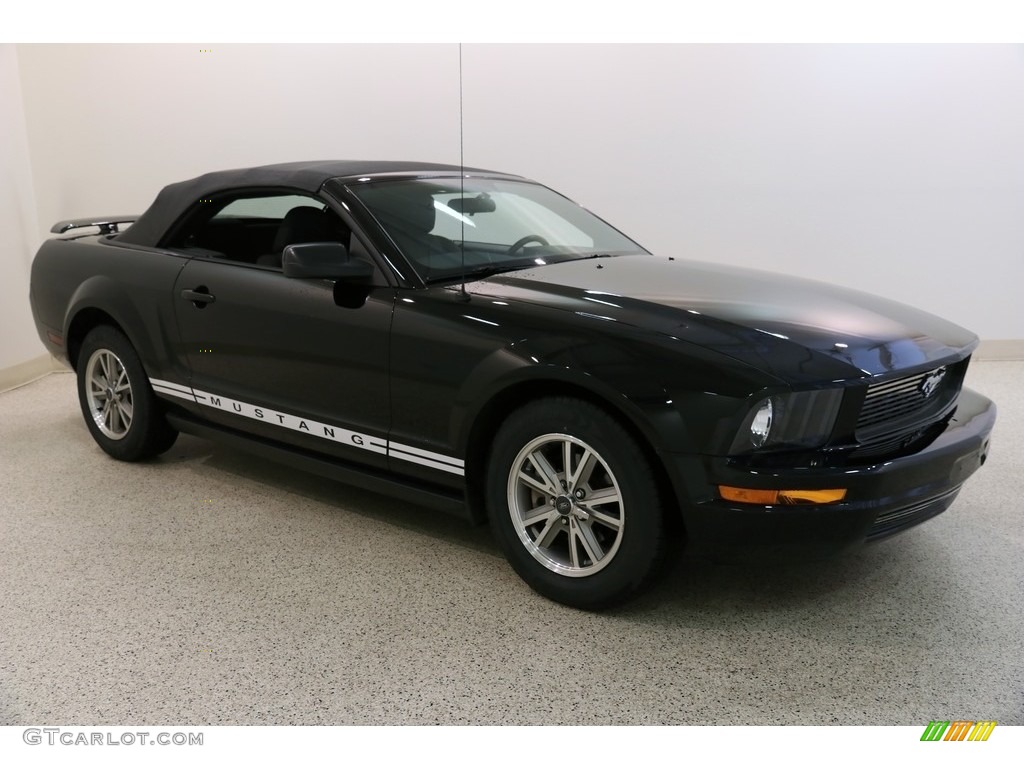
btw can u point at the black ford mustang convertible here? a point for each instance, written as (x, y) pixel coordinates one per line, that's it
(477, 342)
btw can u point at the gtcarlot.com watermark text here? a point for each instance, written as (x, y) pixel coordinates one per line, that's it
(71, 737)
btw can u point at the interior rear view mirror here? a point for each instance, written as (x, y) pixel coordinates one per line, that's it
(482, 203)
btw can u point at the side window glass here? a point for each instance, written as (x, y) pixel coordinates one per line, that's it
(266, 207)
(256, 228)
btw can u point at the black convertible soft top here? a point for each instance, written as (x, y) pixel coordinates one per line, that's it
(175, 199)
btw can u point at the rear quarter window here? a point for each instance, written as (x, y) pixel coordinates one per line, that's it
(266, 207)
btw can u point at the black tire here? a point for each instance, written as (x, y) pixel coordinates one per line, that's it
(118, 404)
(580, 555)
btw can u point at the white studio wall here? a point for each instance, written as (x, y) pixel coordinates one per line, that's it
(109, 125)
(898, 170)
(895, 169)
(21, 355)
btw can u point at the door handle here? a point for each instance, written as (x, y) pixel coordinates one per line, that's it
(199, 297)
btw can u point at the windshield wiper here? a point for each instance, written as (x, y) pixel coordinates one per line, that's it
(487, 270)
(597, 255)
(479, 273)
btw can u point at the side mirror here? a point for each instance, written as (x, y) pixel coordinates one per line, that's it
(326, 261)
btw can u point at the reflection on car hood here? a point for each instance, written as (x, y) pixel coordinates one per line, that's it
(762, 318)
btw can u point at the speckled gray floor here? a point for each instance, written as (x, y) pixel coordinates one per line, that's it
(210, 587)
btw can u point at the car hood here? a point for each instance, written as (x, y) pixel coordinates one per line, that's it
(794, 328)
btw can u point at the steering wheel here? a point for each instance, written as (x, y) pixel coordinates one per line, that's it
(522, 241)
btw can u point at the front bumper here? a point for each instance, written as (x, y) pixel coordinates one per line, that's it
(882, 499)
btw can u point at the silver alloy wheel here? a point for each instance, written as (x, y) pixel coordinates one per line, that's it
(566, 505)
(109, 394)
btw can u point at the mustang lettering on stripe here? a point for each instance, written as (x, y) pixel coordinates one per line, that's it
(310, 427)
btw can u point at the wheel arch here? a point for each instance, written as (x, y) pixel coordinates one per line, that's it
(495, 410)
(100, 301)
(84, 321)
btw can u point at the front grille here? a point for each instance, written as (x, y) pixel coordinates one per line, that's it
(903, 415)
(894, 400)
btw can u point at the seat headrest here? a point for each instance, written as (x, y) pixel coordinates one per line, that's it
(304, 225)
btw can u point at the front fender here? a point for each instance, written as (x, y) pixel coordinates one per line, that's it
(670, 390)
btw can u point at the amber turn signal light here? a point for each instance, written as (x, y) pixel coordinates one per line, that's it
(758, 496)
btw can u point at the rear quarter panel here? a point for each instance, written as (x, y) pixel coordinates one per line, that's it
(132, 285)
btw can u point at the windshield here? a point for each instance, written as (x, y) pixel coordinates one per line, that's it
(447, 229)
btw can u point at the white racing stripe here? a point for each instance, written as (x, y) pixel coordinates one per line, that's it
(308, 426)
(172, 389)
(294, 423)
(426, 458)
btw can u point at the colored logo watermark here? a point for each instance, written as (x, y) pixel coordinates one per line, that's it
(958, 730)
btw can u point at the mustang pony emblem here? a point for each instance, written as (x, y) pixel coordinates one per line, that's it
(932, 381)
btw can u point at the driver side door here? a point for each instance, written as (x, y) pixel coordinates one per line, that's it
(278, 357)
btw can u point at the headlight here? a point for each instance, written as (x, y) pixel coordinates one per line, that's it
(761, 425)
(790, 420)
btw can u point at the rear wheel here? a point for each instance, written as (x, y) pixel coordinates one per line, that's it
(118, 404)
(574, 503)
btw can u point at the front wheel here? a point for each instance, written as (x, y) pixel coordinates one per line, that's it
(118, 404)
(574, 504)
